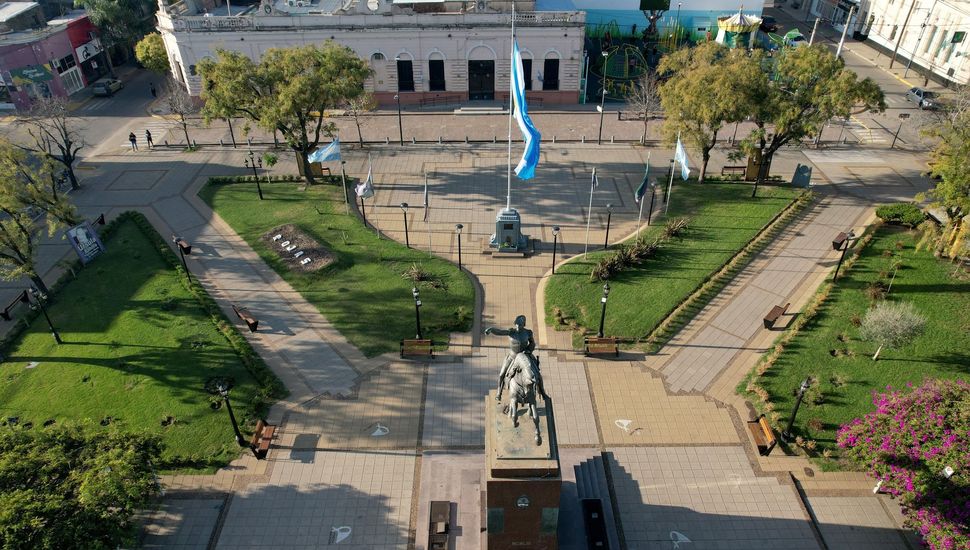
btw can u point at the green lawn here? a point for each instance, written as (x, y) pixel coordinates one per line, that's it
(363, 293)
(846, 381)
(138, 347)
(723, 218)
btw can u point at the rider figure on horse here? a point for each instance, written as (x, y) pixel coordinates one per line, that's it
(520, 341)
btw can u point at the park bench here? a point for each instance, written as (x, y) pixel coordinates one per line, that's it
(734, 170)
(764, 438)
(594, 345)
(262, 437)
(439, 526)
(774, 314)
(411, 348)
(246, 317)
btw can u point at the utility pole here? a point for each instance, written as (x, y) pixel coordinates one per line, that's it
(902, 31)
(814, 28)
(845, 30)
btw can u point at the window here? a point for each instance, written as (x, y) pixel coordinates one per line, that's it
(72, 80)
(405, 76)
(527, 73)
(892, 35)
(436, 74)
(551, 71)
(378, 57)
(64, 63)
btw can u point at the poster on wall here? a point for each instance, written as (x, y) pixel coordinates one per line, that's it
(85, 241)
(88, 50)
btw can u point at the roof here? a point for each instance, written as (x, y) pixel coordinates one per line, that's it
(9, 10)
(72, 15)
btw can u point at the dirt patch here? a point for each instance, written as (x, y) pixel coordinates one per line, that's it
(295, 247)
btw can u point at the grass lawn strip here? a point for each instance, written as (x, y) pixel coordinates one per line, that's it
(723, 219)
(138, 348)
(364, 293)
(828, 347)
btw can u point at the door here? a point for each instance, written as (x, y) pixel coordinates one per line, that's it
(481, 80)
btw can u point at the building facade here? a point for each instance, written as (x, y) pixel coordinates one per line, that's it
(930, 33)
(424, 51)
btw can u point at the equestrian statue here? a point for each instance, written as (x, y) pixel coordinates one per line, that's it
(520, 371)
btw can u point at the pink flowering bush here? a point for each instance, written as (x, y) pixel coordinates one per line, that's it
(907, 443)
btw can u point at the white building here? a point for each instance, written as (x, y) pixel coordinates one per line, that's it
(428, 50)
(931, 33)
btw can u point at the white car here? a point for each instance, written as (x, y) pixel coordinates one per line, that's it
(924, 99)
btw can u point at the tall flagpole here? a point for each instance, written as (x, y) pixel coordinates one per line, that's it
(646, 172)
(508, 194)
(589, 212)
(670, 185)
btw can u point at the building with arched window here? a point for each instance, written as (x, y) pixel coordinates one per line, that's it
(425, 51)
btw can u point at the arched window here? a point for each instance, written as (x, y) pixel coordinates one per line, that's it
(378, 56)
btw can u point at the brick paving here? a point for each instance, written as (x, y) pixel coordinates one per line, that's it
(183, 524)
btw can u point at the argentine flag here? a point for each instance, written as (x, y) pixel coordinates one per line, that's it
(530, 157)
(326, 154)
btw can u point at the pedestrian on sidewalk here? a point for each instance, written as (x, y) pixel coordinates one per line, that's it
(133, 140)
(152, 88)
(148, 138)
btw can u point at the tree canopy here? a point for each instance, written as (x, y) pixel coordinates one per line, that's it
(288, 91)
(150, 52)
(71, 486)
(121, 22)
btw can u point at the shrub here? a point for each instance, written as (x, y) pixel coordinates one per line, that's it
(891, 325)
(901, 213)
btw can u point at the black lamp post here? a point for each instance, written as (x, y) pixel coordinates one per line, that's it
(670, 178)
(407, 240)
(251, 162)
(606, 293)
(786, 435)
(653, 196)
(841, 242)
(223, 388)
(343, 181)
(458, 228)
(417, 309)
(602, 105)
(677, 43)
(400, 121)
(609, 217)
(555, 245)
(184, 248)
(38, 303)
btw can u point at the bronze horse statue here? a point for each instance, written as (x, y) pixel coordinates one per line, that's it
(525, 381)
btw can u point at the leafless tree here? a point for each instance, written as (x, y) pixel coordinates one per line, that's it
(357, 107)
(182, 105)
(55, 134)
(645, 98)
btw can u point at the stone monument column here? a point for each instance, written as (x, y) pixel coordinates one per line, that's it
(523, 480)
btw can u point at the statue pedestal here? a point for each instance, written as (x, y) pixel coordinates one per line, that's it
(523, 481)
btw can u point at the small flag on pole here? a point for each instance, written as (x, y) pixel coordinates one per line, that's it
(366, 190)
(642, 190)
(680, 155)
(329, 153)
(530, 157)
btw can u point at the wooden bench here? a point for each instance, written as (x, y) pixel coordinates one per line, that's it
(246, 317)
(411, 348)
(763, 436)
(734, 170)
(595, 346)
(262, 437)
(774, 314)
(439, 525)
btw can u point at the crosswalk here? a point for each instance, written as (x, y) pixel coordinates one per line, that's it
(865, 133)
(158, 128)
(94, 105)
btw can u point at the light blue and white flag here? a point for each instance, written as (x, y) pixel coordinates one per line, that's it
(366, 190)
(680, 155)
(530, 157)
(328, 153)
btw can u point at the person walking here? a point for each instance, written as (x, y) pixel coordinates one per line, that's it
(148, 138)
(152, 88)
(133, 140)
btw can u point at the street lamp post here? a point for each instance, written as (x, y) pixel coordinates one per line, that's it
(38, 303)
(653, 196)
(841, 242)
(251, 162)
(184, 248)
(786, 435)
(223, 389)
(902, 117)
(677, 42)
(555, 244)
(606, 293)
(458, 228)
(609, 217)
(602, 108)
(407, 239)
(400, 121)
(417, 309)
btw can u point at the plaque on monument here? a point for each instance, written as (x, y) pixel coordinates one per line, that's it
(508, 232)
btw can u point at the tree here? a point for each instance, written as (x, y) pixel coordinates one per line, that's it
(951, 164)
(645, 98)
(809, 86)
(707, 88)
(918, 445)
(891, 325)
(288, 91)
(28, 188)
(121, 22)
(359, 105)
(55, 134)
(70, 486)
(150, 52)
(181, 104)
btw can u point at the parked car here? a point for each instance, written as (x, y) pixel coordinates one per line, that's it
(107, 87)
(924, 99)
(768, 24)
